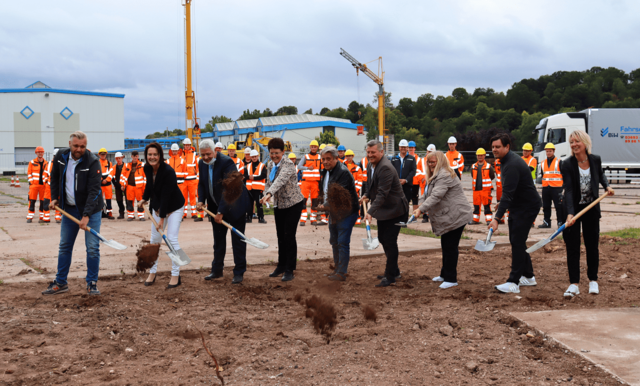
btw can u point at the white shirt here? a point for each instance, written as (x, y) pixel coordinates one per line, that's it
(70, 181)
(326, 185)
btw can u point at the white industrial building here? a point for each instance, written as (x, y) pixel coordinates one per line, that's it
(39, 115)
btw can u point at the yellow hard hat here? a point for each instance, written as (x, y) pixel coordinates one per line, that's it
(322, 146)
(103, 150)
(527, 146)
(313, 143)
(231, 147)
(481, 151)
(292, 155)
(349, 152)
(550, 146)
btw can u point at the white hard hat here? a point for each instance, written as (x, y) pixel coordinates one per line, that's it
(403, 142)
(186, 141)
(219, 145)
(175, 147)
(254, 153)
(55, 151)
(431, 147)
(118, 154)
(452, 139)
(247, 150)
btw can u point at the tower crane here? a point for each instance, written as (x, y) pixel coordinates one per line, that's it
(378, 79)
(193, 128)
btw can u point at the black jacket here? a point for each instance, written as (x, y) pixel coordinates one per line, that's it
(388, 200)
(343, 177)
(88, 192)
(517, 182)
(163, 193)
(571, 182)
(216, 204)
(406, 171)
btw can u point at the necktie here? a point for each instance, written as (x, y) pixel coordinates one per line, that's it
(211, 181)
(272, 175)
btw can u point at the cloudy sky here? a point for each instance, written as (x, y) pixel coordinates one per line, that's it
(258, 54)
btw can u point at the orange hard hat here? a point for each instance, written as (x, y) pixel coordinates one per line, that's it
(39, 148)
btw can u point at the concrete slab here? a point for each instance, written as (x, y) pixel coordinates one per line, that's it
(608, 337)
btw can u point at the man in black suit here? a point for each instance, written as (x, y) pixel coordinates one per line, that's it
(213, 168)
(405, 165)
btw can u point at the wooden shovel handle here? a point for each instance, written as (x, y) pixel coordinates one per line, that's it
(585, 210)
(70, 217)
(146, 210)
(210, 213)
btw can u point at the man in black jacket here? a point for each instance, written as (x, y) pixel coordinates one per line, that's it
(76, 178)
(340, 224)
(213, 168)
(521, 199)
(405, 165)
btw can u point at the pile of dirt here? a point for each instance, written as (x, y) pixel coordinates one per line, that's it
(369, 313)
(323, 315)
(147, 256)
(232, 187)
(339, 201)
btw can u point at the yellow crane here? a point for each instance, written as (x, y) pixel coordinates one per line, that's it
(190, 96)
(378, 79)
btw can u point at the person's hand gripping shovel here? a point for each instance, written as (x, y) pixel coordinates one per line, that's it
(177, 256)
(369, 243)
(111, 243)
(251, 241)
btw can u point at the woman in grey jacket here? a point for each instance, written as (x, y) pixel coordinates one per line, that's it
(449, 212)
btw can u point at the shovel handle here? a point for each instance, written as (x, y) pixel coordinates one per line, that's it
(146, 210)
(585, 210)
(75, 220)
(234, 230)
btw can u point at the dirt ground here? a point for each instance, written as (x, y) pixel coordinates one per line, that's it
(409, 334)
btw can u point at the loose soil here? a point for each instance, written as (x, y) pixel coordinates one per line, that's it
(147, 256)
(232, 185)
(412, 333)
(340, 202)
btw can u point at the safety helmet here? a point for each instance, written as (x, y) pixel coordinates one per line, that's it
(247, 150)
(527, 146)
(313, 143)
(118, 154)
(231, 147)
(175, 147)
(39, 148)
(254, 153)
(102, 150)
(186, 141)
(322, 146)
(292, 156)
(403, 142)
(481, 151)
(412, 144)
(219, 145)
(431, 147)
(341, 148)
(549, 146)
(452, 139)
(349, 152)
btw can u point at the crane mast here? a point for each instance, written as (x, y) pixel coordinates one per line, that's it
(190, 97)
(378, 79)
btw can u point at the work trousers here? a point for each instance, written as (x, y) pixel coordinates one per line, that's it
(68, 234)
(47, 201)
(309, 189)
(450, 242)
(190, 197)
(255, 196)
(171, 228)
(286, 227)
(407, 188)
(590, 223)
(388, 233)
(415, 191)
(37, 191)
(119, 199)
(482, 197)
(519, 227)
(238, 246)
(134, 193)
(340, 240)
(550, 194)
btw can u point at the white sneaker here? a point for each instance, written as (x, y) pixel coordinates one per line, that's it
(446, 284)
(508, 288)
(572, 291)
(437, 278)
(593, 287)
(528, 282)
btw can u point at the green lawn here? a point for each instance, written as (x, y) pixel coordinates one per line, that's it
(627, 233)
(412, 232)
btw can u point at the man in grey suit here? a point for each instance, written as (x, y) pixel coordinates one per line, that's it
(388, 205)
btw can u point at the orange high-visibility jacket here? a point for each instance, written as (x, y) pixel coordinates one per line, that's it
(456, 161)
(498, 173)
(357, 174)
(140, 178)
(485, 175)
(177, 164)
(47, 174)
(532, 162)
(107, 170)
(420, 175)
(258, 180)
(363, 165)
(239, 164)
(421, 167)
(551, 176)
(33, 172)
(191, 159)
(312, 162)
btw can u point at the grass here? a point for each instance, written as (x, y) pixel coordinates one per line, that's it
(627, 233)
(267, 211)
(1, 282)
(412, 232)
(28, 262)
(625, 203)
(637, 202)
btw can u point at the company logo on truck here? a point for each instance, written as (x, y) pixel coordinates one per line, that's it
(604, 132)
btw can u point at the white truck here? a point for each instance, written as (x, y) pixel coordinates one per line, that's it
(615, 136)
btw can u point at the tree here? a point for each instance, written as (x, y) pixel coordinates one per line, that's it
(324, 110)
(387, 99)
(310, 111)
(327, 138)
(208, 127)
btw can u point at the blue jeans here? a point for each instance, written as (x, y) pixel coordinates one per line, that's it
(340, 238)
(68, 233)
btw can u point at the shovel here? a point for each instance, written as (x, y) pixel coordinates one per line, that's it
(411, 220)
(369, 243)
(486, 245)
(546, 241)
(179, 257)
(252, 241)
(111, 243)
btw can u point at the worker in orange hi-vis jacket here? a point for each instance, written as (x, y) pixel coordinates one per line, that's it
(530, 160)
(176, 161)
(342, 153)
(310, 165)
(497, 166)
(364, 162)
(133, 182)
(36, 178)
(47, 192)
(418, 177)
(255, 176)
(231, 152)
(191, 181)
(482, 175)
(323, 216)
(107, 170)
(456, 160)
(356, 172)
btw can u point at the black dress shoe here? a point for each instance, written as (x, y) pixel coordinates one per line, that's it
(288, 276)
(237, 279)
(262, 221)
(276, 273)
(385, 283)
(425, 219)
(380, 277)
(198, 219)
(121, 217)
(213, 275)
(150, 283)
(169, 286)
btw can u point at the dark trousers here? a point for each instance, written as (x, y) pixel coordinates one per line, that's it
(256, 196)
(449, 243)
(408, 191)
(388, 233)
(415, 191)
(550, 194)
(220, 246)
(519, 227)
(286, 227)
(590, 222)
(119, 199)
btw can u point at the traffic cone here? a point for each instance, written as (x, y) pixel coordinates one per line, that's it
(13, 181)
(17, 184)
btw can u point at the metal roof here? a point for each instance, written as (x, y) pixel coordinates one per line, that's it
(224, 126)
(41, 87)
(300, 118)
(246, 123)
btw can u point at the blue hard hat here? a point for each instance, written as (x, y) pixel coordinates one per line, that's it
(341, 147)
(412, 144)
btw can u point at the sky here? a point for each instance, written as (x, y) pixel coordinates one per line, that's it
(258, 54)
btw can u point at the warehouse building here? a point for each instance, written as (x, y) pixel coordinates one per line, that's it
(39, 115)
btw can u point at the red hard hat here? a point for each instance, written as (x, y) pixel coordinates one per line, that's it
(39, 148)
